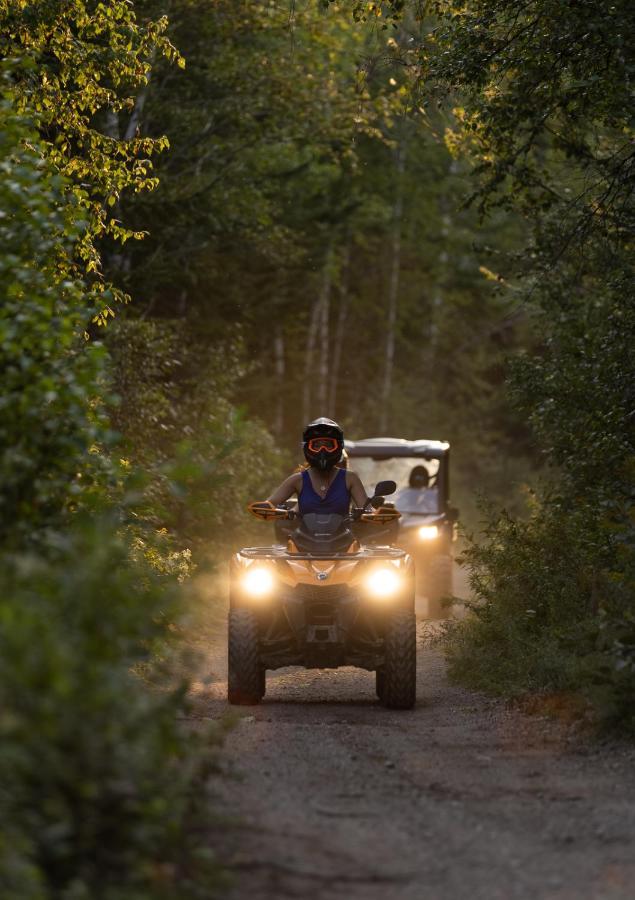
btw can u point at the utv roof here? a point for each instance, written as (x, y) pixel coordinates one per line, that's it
(387, 448)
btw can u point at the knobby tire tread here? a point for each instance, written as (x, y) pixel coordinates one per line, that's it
(245, 681)
(399, 690)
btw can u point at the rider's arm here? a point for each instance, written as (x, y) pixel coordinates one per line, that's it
(355, 486)
(291, 485)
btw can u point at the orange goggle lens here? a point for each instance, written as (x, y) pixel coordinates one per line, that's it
(323, 443)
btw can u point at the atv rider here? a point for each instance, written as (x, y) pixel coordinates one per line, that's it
(420, 496)
(322, 487)
(419, 478)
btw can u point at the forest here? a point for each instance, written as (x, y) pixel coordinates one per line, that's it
(220, 220)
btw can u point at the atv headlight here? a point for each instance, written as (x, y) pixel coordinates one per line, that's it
(428, 532)
(383, 583)
(258, 581)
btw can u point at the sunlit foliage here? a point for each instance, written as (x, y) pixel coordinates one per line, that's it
(83, 69)
(49, 373)
(102, 792)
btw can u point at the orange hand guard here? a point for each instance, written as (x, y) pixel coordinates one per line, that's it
(264, 509)
(381, 516)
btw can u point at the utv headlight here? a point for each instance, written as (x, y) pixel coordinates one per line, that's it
(258, 581)
(428, 532)
(383, 583)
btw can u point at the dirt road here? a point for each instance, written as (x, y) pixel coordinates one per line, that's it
(459, 798)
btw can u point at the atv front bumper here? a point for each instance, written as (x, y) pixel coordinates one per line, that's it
(325, 625)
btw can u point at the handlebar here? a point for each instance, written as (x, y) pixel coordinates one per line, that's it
(264, 509)
(292, 514)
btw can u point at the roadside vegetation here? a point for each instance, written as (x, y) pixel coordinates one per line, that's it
(102, 790)
(220, 220)
(544, 100)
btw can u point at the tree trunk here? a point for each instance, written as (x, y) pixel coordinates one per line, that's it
(393, 288)
(307, 394)
(318, 328)
(436, 307)
(111, 127)
(114, 260)
(325, 310)
(278, 352)
(340, 329)
(135, 119)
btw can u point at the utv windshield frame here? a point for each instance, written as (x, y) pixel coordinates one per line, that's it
(391, 448)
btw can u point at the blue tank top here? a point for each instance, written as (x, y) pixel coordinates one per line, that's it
(337, 499)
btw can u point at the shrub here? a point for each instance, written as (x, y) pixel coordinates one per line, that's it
(203, 460)
(103, 790)
(533, 595)
(49, 374)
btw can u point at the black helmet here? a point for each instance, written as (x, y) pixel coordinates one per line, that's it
(419, 477)
(323, 443)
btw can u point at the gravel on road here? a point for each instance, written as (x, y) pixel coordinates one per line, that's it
(330, 795)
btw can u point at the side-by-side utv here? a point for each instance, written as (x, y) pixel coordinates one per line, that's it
(323, 599)
(428, 524)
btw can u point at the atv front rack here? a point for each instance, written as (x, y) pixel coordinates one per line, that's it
(281, 552)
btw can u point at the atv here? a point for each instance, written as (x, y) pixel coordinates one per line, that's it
(427, 528)
(323, 600)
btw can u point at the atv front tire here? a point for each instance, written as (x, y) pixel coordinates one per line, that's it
(399, 682)
(245, 677)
